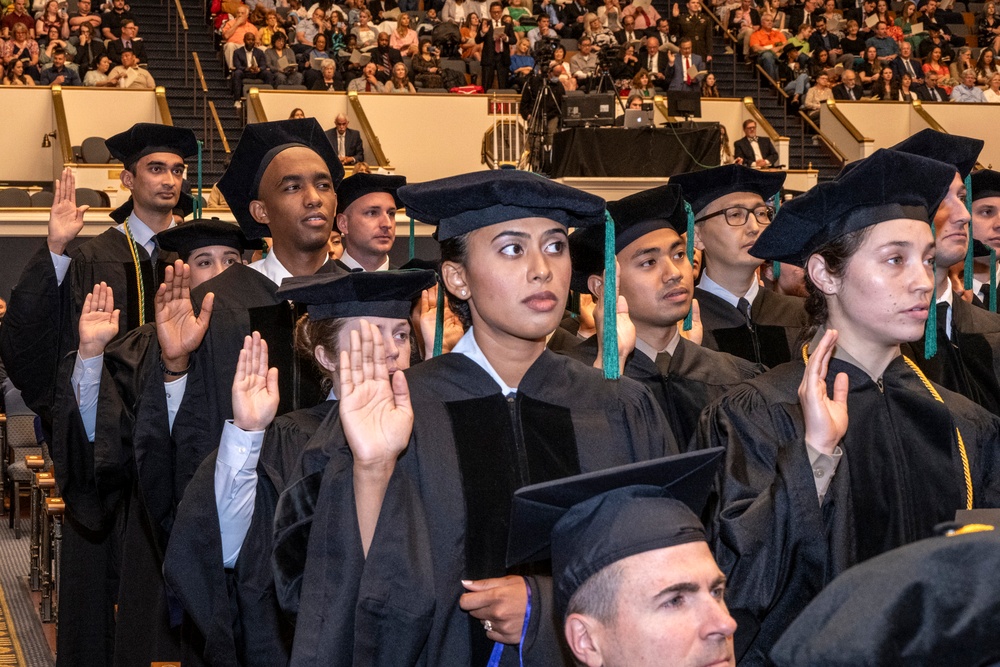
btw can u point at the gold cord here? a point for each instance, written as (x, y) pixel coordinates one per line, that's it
(937, 397)
(134, 247)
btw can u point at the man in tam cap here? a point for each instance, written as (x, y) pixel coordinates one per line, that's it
(40, 329)
(985, 230)
(634, 579)
(366, 219)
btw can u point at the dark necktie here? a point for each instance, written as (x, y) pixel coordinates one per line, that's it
(385, 61)
(850, 91)
(663, 363)
(909, 68)
(942, 319)
(744, 307)
(368, 86)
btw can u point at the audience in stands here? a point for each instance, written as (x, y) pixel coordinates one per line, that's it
(127, 41)
(791, 75)
(365, 33)
(697, 27)
(18, 16)
(250, 62)
(628, 34)
(346, 142)
(852, 42)
(233, 32)
(642, 86)
(97, 75)
(129, 74)
(934, 63)
(24, 48)
(59, 74)
(610, 14)
(14, 74)
(870, 70)
(962, 62)
(848, 89)
(992, 94)
(368, 82)
(935, 39)
(470, 49)
(88, 49)
(583, 65)
(967, 90)
(930, 91)
(522, 64)
(307, 30)
(766, 43)
(988, 27)
(905, 21)
(986, 66)
(710, 87)
(884, 87)
(905, 89)
(53, 43)
(313, 60)
(885, 46)
(426, 66)
(83, 16)
(270, 29)
(400, 81)
(281, 61)
(657, 63)
(907, 64)
(645, 14)
(111, 22)
(688, 68)
(385, 57)
(328, 79)
(296, 113)
(404, 38)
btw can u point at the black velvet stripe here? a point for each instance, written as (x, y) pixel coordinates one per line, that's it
(772, 341)
(549, 440)
(298, 383)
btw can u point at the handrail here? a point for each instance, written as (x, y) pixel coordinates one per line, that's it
(819, 133)
(366, 127)
(253, 98)
(933, 124)
(763, 72)
(62, 127)
(758, 117)
(198, 70)
(177, 37)
(848, 125)
(218, 126)
(204, 92)
(161, 103)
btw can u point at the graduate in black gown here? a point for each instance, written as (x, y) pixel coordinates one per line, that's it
(222, 577)
(95, 418)
(280, 183)
(967, 340)
(986, 232)
(40, 329)
(405, 559)
(656, 280)
(731, 208)
(366, 220)
(849, 450)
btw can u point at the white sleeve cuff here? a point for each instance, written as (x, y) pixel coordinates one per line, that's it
(240, 449)
(61, 265)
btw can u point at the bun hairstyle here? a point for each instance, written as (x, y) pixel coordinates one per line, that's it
(310, 334)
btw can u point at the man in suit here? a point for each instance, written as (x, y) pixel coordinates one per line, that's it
(127, 41)
(683, 78)
(848, 89)
(754, 151)
(346, 142)
(628, 34)
(861, 14)
(930, 92)
(907, 64)
(573, 14)
(249, 62)
(385, 58)
(496, 39)
(668, 41)
(379, 7)
(823, 39)
(656, 63)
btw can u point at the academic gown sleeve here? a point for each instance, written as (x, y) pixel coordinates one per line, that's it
(768, 530)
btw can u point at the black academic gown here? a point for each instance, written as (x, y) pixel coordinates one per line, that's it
(232, 617)
(446, 512)
(901, 473)
(40, 329)
(774, 337)
(969, 362)
(683, 383)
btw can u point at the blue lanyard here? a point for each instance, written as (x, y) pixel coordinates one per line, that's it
(497, 653)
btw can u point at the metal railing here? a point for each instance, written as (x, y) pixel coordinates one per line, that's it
(806, 120)
(211, 135)
(178, 23)
(62, 127)
(762, 122)
(932, 123)
(366, 128)
(848, 125)
(164, 108)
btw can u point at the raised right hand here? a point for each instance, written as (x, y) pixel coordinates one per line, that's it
(98, 321)
(255, 387)
(825, 417)
(178, 330)
(65, 217)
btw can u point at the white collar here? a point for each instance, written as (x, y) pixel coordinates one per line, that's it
(272, 267)
(712, 287)
(649, 351)
(470, 348)
(141, 233)
(352, 263)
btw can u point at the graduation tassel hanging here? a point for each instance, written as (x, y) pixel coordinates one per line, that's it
(930, 330)
(198, 199)
(993, 280)
(689, 318)
(968, 271)
(439, 322)
(610, 334)
(413, 240)
(776, 266)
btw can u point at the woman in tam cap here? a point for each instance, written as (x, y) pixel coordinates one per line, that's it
(429, 585)
(848, 451)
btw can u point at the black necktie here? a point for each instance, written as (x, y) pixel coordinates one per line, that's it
(663, 363)
(850, 91)
(744, 307)
(942, 318)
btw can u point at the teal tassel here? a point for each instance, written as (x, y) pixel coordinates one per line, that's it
(993, 280)
(688, 320)
(439, 322)
(968, 271)
(610, 341)
(930, 331)
(776, 269)
(413, 240)
(198, 200)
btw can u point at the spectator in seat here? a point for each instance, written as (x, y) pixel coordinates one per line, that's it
(59, 74)
(404, 38)
(366, 35)
(22, 47)
(347, 142)
(754, 151)
(668, 40)
(496, 39)
(871, 69)
(88, 50)
(111, 22)
(931, 92)
(791, 75)
(657, 63)
(52, 16)
(905, 91)
(400, 81)
(986, 67)
(469, 49)
(628, 34)
(931, 14)
(907, 64)
(697, 27)
(307, 31)
(97, 75)
(368, 82)
(988, 27)
(600, 36)
(627, 67)
(933, 63)
(709, 87)
(645, 17)
(905, 21)
(455, 11)
(18, 16)
(968, 91)
(610, 15)
(52, 44)
(860, 16)
(296, 113)
(378, 8)
(130, 75)
(573, 17)
(961, 63)
(886, 47)
(328, 79)
(522, 64)
(250, 62)
(427, 66)
(270, 29)
(14, 75)
(766, 43)
(992, 94)
(682, 76)
(543, 30)
(584, 64)
(385, 57)
(314, 59)
(233, 31)
(822, 38)
(848, 89)
(852, 42)
(127, 41)
(281, 61)
(642, 86)
(83, 15)
(817, 95)
(884, 87)
(936, 38)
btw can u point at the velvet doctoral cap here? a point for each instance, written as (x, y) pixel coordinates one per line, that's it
(587, 522)
(460, 204)
(358, 294)
(259, 145)
(634, 216)
(357, 186)
(188, 237)
(143, 139)
(888, 185)
(933, 602)
(701, 188)
(985, 183)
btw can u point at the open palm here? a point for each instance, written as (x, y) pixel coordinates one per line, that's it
(98, 321)
(255, 387)
(825, 416)
(178, 330)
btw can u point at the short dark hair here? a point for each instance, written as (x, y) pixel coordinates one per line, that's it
(597, 597)
(127, 22)
(748, 121)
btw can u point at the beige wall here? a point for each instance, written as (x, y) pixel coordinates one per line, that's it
(972, 120)
(28, 114)
(93, 112)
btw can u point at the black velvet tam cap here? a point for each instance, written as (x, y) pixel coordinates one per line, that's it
(985, 183)
(587, 522)
(360, 294)
(142, 139)
(357, 186)
(586, 252)
(188, 237)
(960, 152)
(888, 185)
(460, 204)
(259, 145)
(701, 188)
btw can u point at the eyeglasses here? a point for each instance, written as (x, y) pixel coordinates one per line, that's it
(737, 216)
